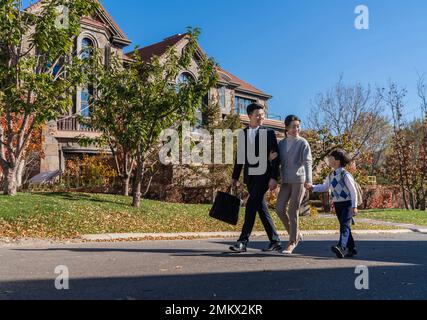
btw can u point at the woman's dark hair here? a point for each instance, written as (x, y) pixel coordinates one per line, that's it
(341, 156)
(252, 107)
(289, 120)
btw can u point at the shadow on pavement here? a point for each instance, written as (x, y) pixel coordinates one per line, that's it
(401, 282)
(407, 252)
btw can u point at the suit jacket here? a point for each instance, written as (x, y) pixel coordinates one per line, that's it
(272, 171)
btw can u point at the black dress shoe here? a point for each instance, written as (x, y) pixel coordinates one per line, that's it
(240, 247)
(351, 253)
(273, 247)
(339, 251)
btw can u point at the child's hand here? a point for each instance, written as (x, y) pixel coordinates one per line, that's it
(355, 212)
(308, 186)
(273, 156)
(272, 185)
(233, 183)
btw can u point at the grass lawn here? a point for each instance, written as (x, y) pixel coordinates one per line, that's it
(400, 216)
(69, 215)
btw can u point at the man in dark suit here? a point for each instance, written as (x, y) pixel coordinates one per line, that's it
(259, 182)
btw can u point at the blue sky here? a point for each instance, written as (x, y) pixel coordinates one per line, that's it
(293, 49)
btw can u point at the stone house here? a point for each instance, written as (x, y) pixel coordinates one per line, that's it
(100, 31)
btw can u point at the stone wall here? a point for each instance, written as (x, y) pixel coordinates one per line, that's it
(51, 148)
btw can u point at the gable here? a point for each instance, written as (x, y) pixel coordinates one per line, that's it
(102, 19)
(118, 36)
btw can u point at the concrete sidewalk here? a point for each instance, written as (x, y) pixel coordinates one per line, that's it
(402, 229)
(119, 237)
(225, 235)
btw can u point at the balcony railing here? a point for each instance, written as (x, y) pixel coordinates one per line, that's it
(268, 116)
(274, 117)
(72, 124)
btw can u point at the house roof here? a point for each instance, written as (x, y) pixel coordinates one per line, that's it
(106, 21)
(241, 85)
(160, 48)
(34, 6)
(157, 49)
(117, 31)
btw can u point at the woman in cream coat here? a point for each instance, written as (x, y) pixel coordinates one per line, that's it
(296, 174)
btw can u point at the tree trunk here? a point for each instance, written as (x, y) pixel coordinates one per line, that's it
(412, 200)
(125, 182)
(405, 201)
(423, 199)
(423, 203)
(148, 186)
(11, 186)
(326, 202)
(20, 174)
(137, 186)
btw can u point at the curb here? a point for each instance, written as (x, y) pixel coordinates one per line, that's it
(207, 235)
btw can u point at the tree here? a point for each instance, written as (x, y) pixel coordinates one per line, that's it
(415, 133)
(376, 147)
(403, 163)
(133, 105)
(353, 111)
(111, 113)
(217, 174)
(322, 142)
(38, 73)
(31, 157)
(422, 94)
(349, 117)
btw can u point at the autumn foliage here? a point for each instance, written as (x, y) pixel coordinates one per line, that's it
(34, 151)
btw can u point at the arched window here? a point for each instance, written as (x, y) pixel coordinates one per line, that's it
(87, 48)
(185, 78)
(85, 96)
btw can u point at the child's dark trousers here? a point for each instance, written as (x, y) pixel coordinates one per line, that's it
(345, 215)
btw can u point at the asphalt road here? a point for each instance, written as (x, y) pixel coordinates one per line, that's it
(194, 270)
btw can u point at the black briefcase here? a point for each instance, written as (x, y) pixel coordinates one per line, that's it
(226, 208)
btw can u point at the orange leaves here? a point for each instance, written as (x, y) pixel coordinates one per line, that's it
(90, 172)
(34, 147)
